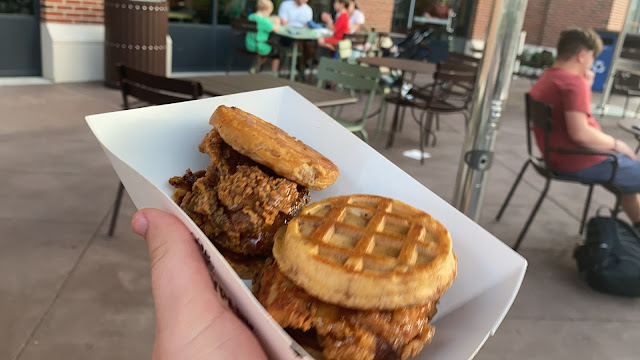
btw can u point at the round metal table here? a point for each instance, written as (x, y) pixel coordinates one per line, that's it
(631, 126)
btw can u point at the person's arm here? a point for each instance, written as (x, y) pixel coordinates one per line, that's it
(283, 15)
(326, 18)
(276, 24)
(588, 137)
(577, 106)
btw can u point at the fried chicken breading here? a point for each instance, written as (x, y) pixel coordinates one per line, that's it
(345, 333)
(238, 203)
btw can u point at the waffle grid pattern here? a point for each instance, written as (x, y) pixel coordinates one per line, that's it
(369, 234)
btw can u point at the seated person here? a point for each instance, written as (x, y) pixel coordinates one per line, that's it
(566, 86)
(340, 27)
(356, 18)
(437, 9)
(257, 42)
(296, 13)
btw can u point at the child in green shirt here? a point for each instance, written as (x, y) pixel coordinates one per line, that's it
(257, 42)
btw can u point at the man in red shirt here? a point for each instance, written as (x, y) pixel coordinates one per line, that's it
(566, 86)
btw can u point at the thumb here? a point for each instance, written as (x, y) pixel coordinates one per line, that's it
(191, 320)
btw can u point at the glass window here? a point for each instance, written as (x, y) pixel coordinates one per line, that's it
(190, 11)
(16, 6)
(320, 6)
(228, 9)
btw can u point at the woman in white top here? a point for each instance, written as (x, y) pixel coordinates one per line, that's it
(356, 18)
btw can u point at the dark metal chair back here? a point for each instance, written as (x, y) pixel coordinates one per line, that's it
(457, 66)
(538, 114)
(155, 89)
(460, 57)
(151, 89)
(442, 86)
(357, 39)
(239, 29)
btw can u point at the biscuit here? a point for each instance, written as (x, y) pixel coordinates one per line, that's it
(272, 147)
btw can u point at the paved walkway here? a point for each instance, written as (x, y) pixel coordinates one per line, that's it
(69, 292)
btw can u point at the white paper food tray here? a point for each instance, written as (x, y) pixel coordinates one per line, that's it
(147, 146)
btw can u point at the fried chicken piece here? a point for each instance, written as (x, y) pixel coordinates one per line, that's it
(238, 203)
(184, 183)
(345, 334)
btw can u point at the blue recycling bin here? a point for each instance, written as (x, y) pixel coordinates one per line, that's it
(602, 63)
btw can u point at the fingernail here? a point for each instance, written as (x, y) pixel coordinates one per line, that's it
(139, 224)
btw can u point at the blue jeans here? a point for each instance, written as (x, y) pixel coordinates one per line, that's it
(627, 176)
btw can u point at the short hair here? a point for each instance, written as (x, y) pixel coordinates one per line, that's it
(574, 40)
(344, 2)
(264, 5)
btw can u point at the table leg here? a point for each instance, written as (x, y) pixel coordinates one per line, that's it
(294, 60)
(394, 127)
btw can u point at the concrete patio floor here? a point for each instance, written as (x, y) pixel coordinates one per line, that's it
(67, 291)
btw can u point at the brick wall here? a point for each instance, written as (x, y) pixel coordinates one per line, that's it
(545, 19)
(618, 15)
(480, 19)
(574, 13)
(72, 11)
(377, 13)
(534, 20)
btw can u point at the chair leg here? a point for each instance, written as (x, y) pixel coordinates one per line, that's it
(116, 209)
(513, 189)
(421, 141)
(382, 117)
(401, 120)
(429, 131)
(587, 203)
(394, 127)
(365, 136)
(533, 215)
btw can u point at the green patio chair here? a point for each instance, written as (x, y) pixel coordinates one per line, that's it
(353, 78)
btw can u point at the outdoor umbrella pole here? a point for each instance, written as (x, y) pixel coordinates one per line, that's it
(492, 90)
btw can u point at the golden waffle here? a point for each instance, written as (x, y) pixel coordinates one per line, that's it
(367, 252)
(272, 147)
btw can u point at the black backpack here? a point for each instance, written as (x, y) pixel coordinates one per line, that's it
(609, 259)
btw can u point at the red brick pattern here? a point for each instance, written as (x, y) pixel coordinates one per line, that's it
(618, 15)
(545, 19)
(377, 13)
(72, 11)
(534, 21)
(480, 19)
(574, 13)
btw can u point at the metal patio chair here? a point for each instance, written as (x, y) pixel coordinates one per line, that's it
(150, 90)
(353, 78)
(539, 114)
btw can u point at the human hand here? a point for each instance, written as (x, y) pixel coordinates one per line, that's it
(625, 149)
(326, 17)
(589, 76)
(191, 320)
(278, 21)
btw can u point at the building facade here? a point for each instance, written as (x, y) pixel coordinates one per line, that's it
(63, 40)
